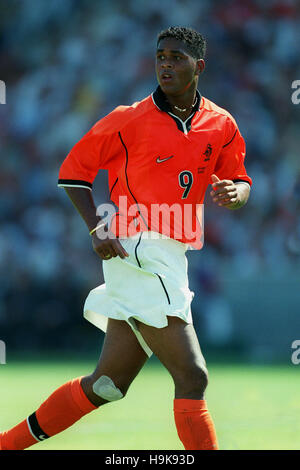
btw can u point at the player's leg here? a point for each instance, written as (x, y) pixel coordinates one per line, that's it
(177, 347)
(121, 359)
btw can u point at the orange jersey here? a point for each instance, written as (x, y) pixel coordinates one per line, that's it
(154, 158)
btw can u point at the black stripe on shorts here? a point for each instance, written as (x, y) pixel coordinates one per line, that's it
(164, 287)
(35, 428)
(135, 250)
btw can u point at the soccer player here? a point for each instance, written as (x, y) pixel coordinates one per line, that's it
(166, 149)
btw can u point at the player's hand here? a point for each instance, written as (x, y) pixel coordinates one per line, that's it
(225, 192)
(108, 247)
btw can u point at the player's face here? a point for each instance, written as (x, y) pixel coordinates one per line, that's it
(176, 70)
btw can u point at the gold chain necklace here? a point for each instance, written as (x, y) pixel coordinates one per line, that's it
(185, 109)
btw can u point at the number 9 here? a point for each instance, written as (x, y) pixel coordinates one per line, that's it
(185, 181)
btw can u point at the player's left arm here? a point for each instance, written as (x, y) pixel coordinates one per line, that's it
(230, 182)
(227, 193)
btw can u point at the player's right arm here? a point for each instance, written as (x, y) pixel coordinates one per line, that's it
(105, 244)
(98, 149)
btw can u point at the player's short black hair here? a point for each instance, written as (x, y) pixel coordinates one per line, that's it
(194, 41)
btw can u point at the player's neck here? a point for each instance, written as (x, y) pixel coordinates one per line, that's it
(182, 106)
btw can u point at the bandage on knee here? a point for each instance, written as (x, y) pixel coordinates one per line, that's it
(106, 389)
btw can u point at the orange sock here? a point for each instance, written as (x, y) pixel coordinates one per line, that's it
(194, 425)
(62, 409)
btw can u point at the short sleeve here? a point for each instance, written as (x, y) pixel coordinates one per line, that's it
(98, 149)
(231, 161)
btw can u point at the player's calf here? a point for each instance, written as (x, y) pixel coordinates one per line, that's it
(193, 421)
(60, 410)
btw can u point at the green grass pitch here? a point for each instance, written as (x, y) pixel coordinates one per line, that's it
(253, 407)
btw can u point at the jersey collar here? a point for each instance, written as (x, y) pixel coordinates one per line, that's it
(161, 102)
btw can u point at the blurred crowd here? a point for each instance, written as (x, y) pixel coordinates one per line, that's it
(66, 65)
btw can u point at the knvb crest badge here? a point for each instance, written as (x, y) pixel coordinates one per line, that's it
(207, 153)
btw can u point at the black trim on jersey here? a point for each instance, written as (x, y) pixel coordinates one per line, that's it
(113, 187)
(36, 429)
(166, 292)
(126, 151)
(162, 103)
(75, 183)
(241, 181)
(188, 122)
(135, 250)
(231, 139)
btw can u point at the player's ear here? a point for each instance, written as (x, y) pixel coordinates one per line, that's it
(200, 66)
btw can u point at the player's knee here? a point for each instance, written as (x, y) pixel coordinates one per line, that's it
(193, 382)
(199, 379)
(101, 390)
(105, 388)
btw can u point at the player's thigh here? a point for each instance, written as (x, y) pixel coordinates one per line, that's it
(178, 349)
(121, 359)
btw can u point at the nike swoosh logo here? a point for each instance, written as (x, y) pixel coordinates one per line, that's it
(160, 160)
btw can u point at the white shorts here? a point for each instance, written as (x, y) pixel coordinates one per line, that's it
(149, 285)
